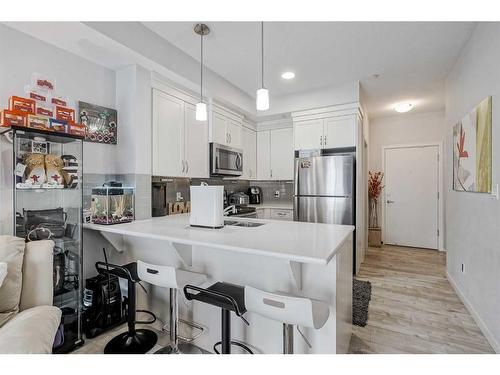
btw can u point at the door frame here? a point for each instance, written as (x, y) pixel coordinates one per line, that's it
(440, 219)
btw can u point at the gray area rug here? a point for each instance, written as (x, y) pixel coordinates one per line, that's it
(361, 295)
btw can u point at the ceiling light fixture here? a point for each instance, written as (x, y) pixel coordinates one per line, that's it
(262, 100)
(288, 75)
(403, 107)
(201, 108)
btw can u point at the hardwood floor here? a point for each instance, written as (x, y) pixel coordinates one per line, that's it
(414, 309)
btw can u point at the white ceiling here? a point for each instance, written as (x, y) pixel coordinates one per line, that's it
(412, 58)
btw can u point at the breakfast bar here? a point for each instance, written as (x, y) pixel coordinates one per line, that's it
(306, 259)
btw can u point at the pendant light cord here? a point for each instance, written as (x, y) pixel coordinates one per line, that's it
(201, 70)
(262, 51)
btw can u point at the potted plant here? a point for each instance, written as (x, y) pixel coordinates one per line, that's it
(374, 189)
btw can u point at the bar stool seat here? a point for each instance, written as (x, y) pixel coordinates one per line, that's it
(134, 341)
(173, 279)
(228, 297)
(289, 309)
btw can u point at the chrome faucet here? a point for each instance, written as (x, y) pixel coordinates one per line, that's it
(230, 209)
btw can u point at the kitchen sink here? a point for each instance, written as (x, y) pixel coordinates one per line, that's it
(248, 224)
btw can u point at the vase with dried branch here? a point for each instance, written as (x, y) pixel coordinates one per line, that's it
(374, 190)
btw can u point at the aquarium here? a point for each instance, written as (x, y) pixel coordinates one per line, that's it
(112, 204)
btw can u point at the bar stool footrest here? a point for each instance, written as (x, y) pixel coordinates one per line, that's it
(236, 343)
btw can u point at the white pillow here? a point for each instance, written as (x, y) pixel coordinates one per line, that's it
(3, 272)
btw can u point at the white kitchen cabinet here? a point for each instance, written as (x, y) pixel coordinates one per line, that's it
(339, 132)
(308, 134)
(180, 143)
(168, 135)
(225, 127)
(275, 154)
(249, 143)
(324, 133)
(282, 214)
(263, 213)
(195, 144)
(234, 130)
(219, 129)
(263, 155)
(282, 154)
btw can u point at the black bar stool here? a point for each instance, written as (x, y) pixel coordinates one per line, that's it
(228, 297)
(134, 341)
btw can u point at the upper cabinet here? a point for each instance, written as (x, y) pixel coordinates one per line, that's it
(225, 126)
(324, 133)
(308, 134)
(180, 143)
(339, 132)
(249, 143)
(282, 154)
(275, 154)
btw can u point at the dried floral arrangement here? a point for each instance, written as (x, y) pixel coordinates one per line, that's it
(375, 184)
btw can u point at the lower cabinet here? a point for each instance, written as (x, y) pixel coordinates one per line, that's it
(275, 214)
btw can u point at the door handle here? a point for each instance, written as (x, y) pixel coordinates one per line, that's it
(389, 201)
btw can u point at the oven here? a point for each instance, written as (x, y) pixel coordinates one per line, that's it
(225, 160)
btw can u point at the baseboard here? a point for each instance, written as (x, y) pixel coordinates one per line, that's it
(484, 329)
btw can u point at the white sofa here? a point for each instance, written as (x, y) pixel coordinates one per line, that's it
(30, 325)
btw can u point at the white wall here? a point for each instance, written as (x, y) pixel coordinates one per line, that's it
(407, 128)
(473, 220)
(76, 78)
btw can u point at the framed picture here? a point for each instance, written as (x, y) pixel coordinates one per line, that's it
(472, 151)
(100, 122)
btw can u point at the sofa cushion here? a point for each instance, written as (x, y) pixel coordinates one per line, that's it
(3, 272)
(31, 331)
(11, 252)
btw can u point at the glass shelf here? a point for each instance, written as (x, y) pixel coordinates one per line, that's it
(58, 210)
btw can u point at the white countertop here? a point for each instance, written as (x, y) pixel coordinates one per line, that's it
(291, 240)
(278, 205)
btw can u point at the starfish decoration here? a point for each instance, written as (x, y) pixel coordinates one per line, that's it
(35, 178)
(55, 177)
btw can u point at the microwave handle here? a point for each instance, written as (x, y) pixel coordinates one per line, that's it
(238, 161)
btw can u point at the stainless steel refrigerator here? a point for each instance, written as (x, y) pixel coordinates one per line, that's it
(325, 189)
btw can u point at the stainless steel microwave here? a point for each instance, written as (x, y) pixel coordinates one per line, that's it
(225, 160)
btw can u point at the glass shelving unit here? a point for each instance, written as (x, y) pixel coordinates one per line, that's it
(32, 202)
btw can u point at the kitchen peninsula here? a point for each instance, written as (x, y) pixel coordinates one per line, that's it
(307, 259)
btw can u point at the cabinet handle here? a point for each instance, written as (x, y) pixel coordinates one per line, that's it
(324, 141)
(271, 173)
(250, 170)
(321, 140)
(187, 166)
(182, 166)
(229, 137)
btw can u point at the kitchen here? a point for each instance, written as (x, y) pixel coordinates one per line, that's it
(202, 187)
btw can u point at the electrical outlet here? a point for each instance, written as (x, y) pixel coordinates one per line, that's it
(462, 269)
(277, 193)
(179, 197)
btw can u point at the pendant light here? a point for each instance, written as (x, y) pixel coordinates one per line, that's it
(201, 108)
(262, 101)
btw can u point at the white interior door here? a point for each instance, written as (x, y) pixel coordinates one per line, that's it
(411, 196)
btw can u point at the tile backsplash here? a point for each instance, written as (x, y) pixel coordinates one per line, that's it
(275, 191)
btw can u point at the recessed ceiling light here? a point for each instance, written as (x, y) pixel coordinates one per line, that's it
(403, 107)
(288, 75)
